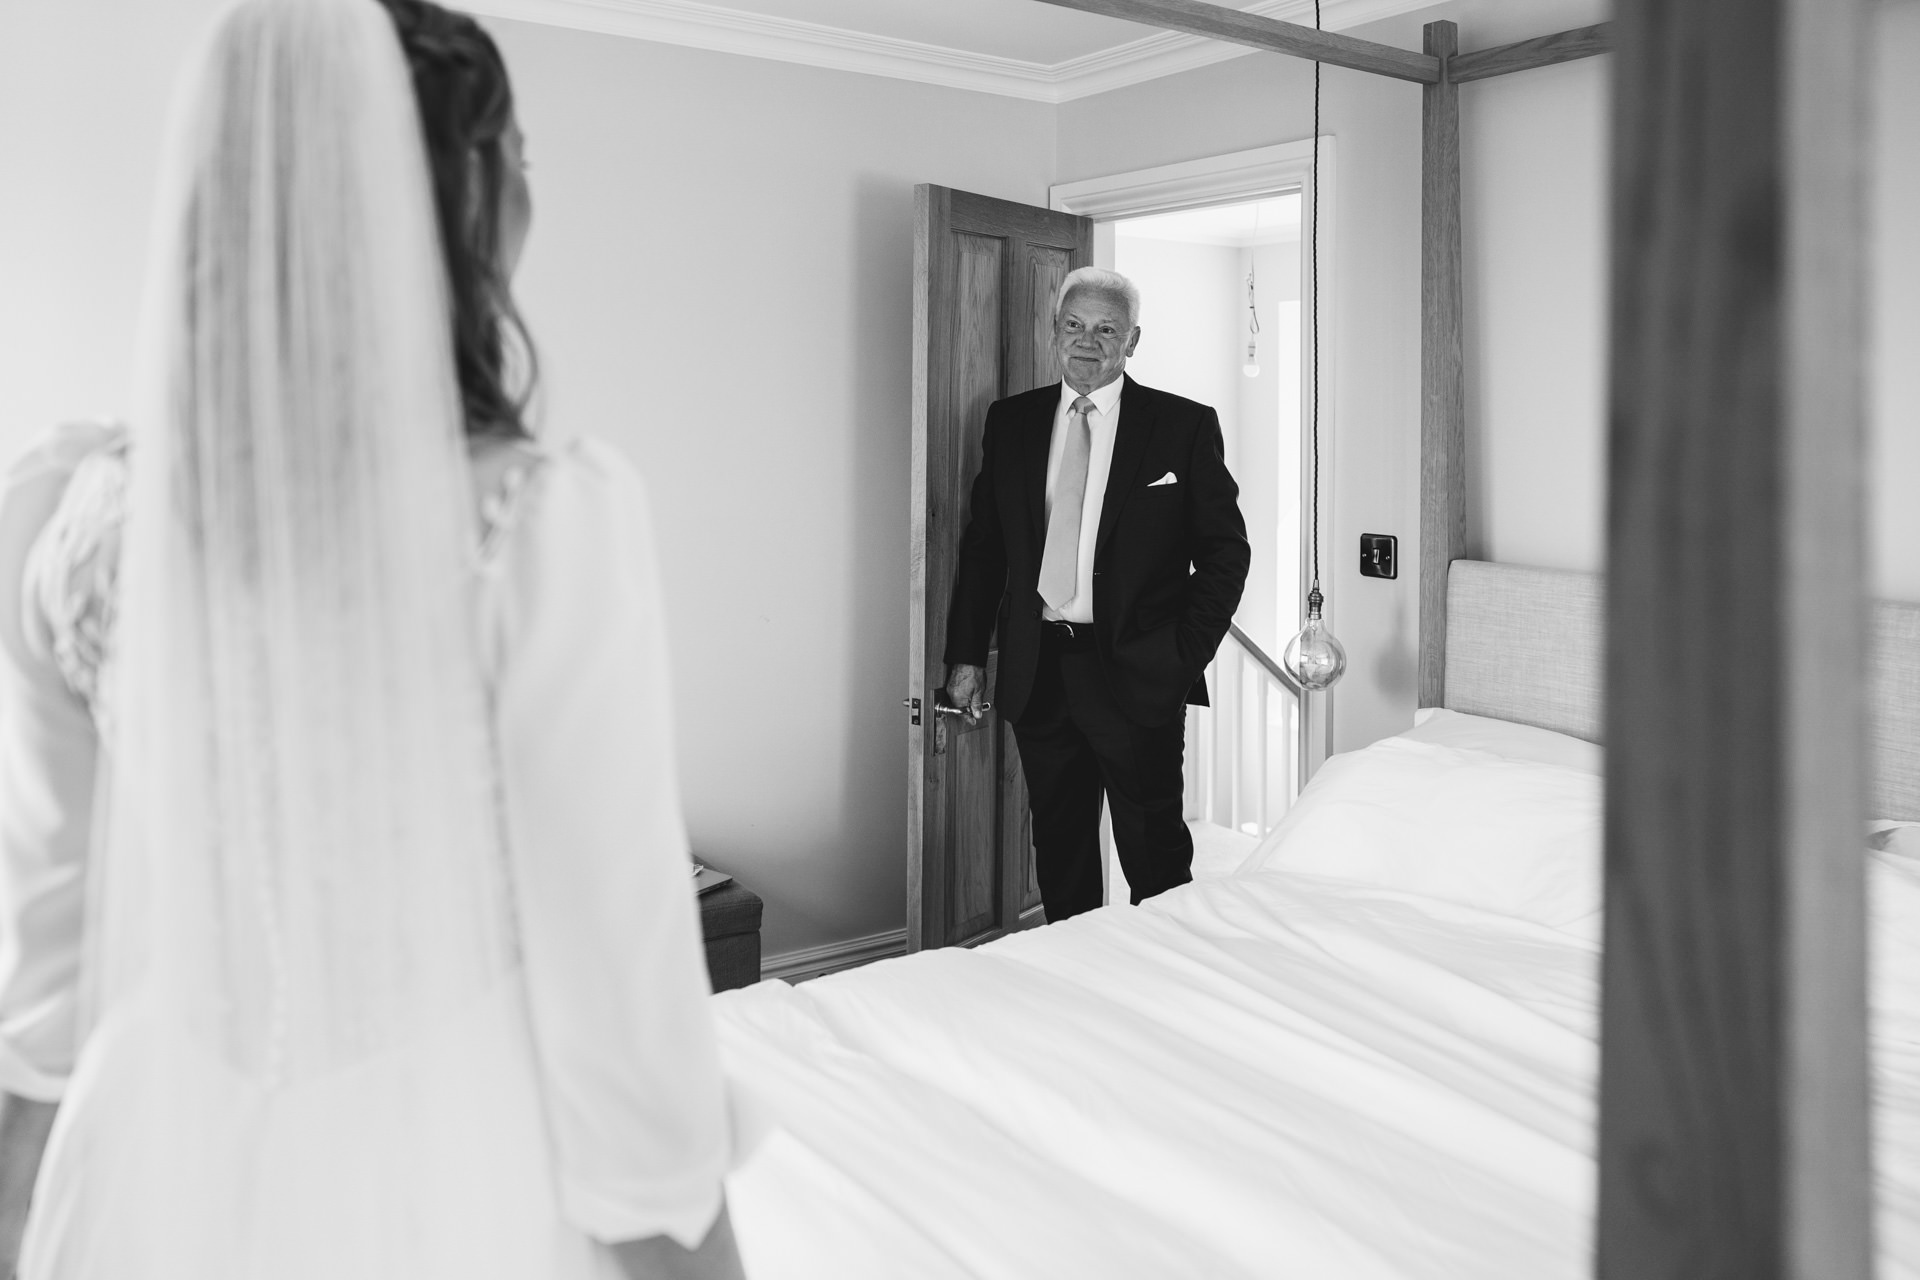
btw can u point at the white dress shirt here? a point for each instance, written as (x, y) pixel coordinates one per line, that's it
(1100, 423)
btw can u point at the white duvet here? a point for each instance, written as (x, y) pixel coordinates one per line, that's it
(1368, 1053)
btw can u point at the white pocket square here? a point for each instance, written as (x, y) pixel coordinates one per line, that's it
(1168, 478)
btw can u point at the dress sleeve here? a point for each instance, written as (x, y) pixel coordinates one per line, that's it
(609, 931)
(48, 748)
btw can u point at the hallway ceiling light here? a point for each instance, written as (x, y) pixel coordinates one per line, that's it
(1252, 367)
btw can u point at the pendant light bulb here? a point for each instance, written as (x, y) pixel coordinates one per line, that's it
(1314, 657)
(1252, 367)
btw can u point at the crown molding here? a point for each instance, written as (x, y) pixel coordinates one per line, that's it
(698, 25)
(1169, 53)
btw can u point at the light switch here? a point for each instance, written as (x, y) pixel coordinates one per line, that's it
(1379, 555)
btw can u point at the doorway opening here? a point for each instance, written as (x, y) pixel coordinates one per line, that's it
(1247, 756)
(1214, 281)
(1221, 304)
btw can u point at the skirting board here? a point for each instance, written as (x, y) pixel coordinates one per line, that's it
(812, 962)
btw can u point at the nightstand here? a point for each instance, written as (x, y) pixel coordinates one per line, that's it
(730, 922)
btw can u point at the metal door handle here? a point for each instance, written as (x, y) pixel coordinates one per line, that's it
(941, 707)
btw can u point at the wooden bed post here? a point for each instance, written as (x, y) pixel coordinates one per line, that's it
(1443, 391)
(1734, 1116)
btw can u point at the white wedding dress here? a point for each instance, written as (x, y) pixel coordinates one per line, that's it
(346, 899)
(575, 1099)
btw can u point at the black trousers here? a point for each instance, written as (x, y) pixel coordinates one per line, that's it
(1075, 744)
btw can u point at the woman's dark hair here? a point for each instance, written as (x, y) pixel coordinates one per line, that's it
(466, 103)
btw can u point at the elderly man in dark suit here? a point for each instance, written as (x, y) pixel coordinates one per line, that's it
(1105, 540)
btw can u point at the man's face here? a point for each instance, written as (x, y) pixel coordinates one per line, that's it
(1092, 338)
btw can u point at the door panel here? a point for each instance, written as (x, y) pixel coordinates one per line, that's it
(985, 272)
(1046, 268)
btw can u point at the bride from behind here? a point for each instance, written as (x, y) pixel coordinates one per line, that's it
(390, 967)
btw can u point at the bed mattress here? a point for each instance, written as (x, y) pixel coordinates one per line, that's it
(1335, 1062)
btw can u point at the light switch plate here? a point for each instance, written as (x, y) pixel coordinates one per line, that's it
(1379, 555)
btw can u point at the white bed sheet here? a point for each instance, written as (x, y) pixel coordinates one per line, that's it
(1219, 851)
(1273, 1074)
(1256, 1076)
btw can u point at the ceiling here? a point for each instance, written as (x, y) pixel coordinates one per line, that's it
(1020, 48)
(1016, 29)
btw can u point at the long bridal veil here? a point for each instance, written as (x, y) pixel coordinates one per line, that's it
(300, 898)
(300, 780)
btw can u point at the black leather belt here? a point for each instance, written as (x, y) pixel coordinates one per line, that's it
(1068, 637)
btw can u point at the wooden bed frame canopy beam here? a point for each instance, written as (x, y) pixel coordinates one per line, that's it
(1734, 1104)
(1443, 365)
(1525, 55)
(1217, 22)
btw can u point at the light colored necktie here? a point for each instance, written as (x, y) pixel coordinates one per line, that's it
(1060, 563)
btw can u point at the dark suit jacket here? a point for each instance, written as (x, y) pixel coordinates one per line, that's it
(1169, 560)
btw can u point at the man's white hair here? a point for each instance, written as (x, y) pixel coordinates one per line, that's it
(1100, 280)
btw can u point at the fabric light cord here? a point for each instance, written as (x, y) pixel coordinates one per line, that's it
(1313, 277)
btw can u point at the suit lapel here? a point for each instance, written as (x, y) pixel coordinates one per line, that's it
(1039, 435)
(1130, 436)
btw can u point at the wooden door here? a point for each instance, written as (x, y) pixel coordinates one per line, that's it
(985, 272)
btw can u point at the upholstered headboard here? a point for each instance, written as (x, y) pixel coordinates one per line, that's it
(1893, 710)
(1526, 645)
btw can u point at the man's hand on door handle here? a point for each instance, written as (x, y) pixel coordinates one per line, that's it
(965, 684)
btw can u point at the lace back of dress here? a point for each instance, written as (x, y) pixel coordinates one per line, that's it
(72, 570)
(301, 865)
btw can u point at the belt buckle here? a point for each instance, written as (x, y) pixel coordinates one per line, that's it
(1071, 633)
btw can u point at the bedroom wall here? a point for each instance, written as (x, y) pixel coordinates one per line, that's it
(1534, 167)
(84, 87)
(1534, 226)
(720, 274)
(719, 277)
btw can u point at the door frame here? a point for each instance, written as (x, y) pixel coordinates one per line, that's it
(1232, 178)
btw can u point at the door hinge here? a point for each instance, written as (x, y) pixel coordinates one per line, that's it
(913, 705)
